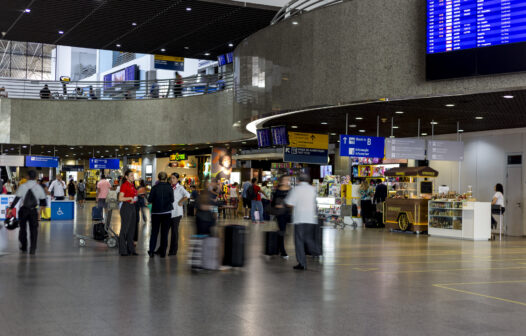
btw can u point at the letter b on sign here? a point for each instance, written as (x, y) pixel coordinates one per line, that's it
(368, 142)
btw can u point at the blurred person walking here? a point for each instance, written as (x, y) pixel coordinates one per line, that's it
(247, 204)
(128, 197)
(281, 211)
(162, 198)
(45, 93)
(204, 217)
(303, 201)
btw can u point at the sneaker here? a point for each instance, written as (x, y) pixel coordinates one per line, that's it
(284, 256)
(300, 267)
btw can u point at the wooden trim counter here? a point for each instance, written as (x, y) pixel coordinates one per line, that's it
(406, 214)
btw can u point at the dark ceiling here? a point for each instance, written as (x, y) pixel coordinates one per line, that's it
(496, 112)
(141, 26)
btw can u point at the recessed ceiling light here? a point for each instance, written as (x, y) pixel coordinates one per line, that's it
(333, 133)
(186, 48)
(74, 154)
(352, 126)
(479, 118)
(47, 151)
(295, 22)
(196, 147)
(118, 45)
(71, 147)
(508, 96)
(188, 9)
(359, 118)
(146, 146)
(231, 45)
(116, 149)
(163, 50)
(361, 131)
(450, 105)
(399, 112)
(158, 151)
(134, 24)
(107, 151)
(98, 151)
(434, 123)
(395, 127)
(460, 130)
(210, 147)
(138, 147)
(61, 32)
(244, 142)
(12, 149)
(424, 134)
(294, 126)
(67, 155)
(207, 54)
(24, 146)
(27, 10)
(392, 136)
(126, 148)
(324, 123)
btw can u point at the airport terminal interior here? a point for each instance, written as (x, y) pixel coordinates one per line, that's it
(262, 167)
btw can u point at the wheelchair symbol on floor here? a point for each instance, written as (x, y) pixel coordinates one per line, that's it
(60, 212)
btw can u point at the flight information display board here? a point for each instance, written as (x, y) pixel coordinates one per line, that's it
(465, 24)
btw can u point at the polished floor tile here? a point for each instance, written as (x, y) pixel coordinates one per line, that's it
(369, 282)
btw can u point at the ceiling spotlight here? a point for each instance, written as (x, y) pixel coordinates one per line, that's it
(244, 142)
(231, 45)
(24, 146)
(61, 32)
(399, 112)
(434, 123)
(163, 50)
(460, 130)
(424, 134)
(47, 151)
(450, 105)
(352, 126)
(395, 127)
(27, 10)
(187, 48)
(324, 123)
(146, 146)
(294, 126)
(134, 24)
(207, 54)
(138, 147)
(295, 22)
(333, 133)
(158, 151)
(67, 155)
(359, 118)
(508, 97)
(188, 9)
(479, 118)
(361, 131)
(98, 151)
(118, 45)
(211, 146)
(71, 147)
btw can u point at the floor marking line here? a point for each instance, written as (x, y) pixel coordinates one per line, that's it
(429, 262)
(480, 294)
(484, 283)
(457, 269)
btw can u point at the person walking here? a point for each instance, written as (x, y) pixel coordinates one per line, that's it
(103, 188)
(303, 201)
(128, 197)
(282, 212)
(58, 188)
(31, 195)
(246, 202)
(180, 196)
(266, 195)
(254, 194)
(72, 190)
(162, 198)
(204, 217)
(81, 194)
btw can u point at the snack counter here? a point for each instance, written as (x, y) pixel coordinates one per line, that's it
(452, 218)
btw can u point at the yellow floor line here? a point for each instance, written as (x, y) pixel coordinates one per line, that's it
(483, 283)
(456, 269)
(481, 295)
(428, 262)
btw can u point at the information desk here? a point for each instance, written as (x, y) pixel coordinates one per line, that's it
(462, 220)
(62, 210)
(406, 214)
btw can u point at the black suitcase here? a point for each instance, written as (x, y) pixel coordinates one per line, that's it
(190, 209)
(271, 243)
(234, 246)
(99, 233)
(318, 240)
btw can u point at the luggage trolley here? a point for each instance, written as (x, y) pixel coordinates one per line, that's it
(111, 237)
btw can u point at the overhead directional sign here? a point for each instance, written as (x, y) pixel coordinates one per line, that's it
(169, 62)
(307, 148)
(42, 161)
(104, 163)
(362, 146)
(412, 149)
(445, 150)
(12, 160)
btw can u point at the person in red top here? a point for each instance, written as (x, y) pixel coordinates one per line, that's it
(128, 197)
(256, 202)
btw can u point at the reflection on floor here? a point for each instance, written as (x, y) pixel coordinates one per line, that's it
(370, 282)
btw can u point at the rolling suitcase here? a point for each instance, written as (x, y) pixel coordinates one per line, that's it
(271, 243)
(99, 233)
(204, 252)
(96, 213)
(234, 246)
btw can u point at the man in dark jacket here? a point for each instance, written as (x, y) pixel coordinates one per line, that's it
(380, 193)
(161, 197)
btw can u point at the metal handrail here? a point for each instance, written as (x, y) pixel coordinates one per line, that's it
(298, 7)
(140, 89)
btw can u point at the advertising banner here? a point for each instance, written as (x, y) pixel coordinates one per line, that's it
(104, 163)
(169, 62)
(445, 150)
(42, 161)
(5, 202)
(222, 163)
(362, 146)
(12, 160)
(413, 149)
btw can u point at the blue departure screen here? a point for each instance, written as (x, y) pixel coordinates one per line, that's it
(465, 24)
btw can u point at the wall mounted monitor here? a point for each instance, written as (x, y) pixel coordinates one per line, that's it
(264, 139)
(280, 136)
(475, 37)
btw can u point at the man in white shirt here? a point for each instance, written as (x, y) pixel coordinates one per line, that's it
(305, 219)
(57, 188)
(180, 195)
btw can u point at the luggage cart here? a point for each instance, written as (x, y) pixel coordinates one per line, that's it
(111, 238)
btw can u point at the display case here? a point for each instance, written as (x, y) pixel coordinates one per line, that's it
(329, 208)
(459, 219)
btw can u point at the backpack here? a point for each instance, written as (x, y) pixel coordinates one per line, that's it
(111, 200)
(251, 195)
(81, 187)
(30, 201)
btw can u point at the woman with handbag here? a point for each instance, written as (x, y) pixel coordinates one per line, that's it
(282, 212)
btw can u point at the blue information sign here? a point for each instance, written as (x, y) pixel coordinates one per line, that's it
(264, 137)
(104, 163)
(306, 155)
(362, 146)
(465, 24)
(279, 136)
(42, 161)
